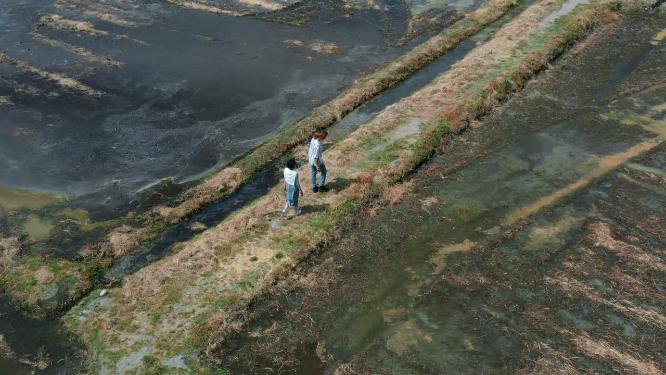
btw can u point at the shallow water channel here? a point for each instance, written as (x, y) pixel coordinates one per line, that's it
(453, 279)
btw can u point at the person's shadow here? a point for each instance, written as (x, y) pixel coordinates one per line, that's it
(338, 184)
(314, 208)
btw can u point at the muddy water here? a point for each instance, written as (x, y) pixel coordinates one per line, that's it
(189, 90)
(28, 345)
(454, 278)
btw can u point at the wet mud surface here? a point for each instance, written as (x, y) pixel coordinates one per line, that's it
(100, 100)
(28, 345)
(533, 242)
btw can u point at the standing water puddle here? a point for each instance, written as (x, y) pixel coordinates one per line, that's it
(28, 344)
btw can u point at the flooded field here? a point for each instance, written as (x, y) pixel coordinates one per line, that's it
(102, 99)
(532, 243)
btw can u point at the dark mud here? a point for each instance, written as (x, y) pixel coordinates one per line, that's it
(512, 254)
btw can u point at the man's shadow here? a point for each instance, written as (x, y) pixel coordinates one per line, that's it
(338, 184)
(313, 208)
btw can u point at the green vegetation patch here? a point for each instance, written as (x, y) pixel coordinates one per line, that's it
(14, 199)
(43, 285)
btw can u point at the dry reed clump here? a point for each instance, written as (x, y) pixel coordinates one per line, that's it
(601, 234)
(629, 363)
(83, 52)
(325, 48)
(59, 22)
(6, 101)
(204, 7)
(125, 239)
(396, 193)
(550, 361)
(10, 248)
(110, 17)
(57, 78)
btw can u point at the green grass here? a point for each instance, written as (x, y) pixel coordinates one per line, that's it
(370, 143)
(292, 243)
(388, 154)
(223, 302)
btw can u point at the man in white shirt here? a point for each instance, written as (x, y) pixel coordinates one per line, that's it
(317, 162)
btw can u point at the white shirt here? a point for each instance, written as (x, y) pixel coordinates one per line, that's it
(290, 176)
(314, 152)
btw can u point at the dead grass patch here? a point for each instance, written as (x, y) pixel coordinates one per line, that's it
(10, 248)
(83, 52)
(601, 234)
(602, 349)
(550, 361)
(396, 193)
(324, 48)
(576, 288)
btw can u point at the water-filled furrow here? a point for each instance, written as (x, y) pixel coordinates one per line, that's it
(185, 230)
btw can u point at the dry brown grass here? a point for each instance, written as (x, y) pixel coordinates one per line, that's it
(57, 78)
(576, 288)
(195, 5)
(324, 48)
(125, 239)
(83, 52)
(550, 361)
(396, 193)
(10, 247)
(59, 22)
(44, 275)
(604, 350)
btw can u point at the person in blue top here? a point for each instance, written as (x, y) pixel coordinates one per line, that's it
(317, 162)
(292, 188)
